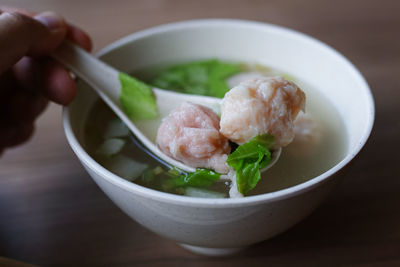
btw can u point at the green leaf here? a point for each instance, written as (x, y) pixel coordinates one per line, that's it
(267, 158)
(217, 87)
(174, 172)
(248, 159)
(265, 140)
(251, 150)
(207, 77)
(199, 178)
(248, 177)
(148, 176)
(137, 98)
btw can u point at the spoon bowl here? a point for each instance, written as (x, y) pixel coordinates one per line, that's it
(104, 79)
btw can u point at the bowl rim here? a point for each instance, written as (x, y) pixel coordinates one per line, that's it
(229, 202)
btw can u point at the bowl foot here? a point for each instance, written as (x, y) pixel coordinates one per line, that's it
(212, 252)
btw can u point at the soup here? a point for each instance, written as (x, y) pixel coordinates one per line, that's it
(108, 141)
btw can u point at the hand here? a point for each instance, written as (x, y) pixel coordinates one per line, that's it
(28, 77)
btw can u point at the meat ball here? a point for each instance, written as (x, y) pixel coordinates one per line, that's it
(190, 134)
(259, 106)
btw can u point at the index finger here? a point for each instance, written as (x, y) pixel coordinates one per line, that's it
(75, 34)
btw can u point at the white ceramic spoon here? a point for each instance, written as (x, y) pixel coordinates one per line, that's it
(104, 80)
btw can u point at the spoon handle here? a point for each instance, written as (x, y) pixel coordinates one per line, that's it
(102, 77)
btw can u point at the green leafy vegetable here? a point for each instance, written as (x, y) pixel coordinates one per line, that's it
(207, 77)
(265, 140)
(199, 178)
(176, 181)
(248, 159)
(158, 170)
(148, 176)
(137, 99)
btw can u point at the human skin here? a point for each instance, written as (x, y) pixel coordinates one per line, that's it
(29, 78)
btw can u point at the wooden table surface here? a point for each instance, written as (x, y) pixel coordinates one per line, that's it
(52, 213)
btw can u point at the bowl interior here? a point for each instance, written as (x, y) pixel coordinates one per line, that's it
(301, 56)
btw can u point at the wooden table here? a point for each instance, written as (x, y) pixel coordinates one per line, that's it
(52, 213)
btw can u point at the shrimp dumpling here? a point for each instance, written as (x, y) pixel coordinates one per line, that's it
(260, 106)
(190, 134)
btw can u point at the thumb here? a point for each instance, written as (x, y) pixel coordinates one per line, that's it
(21, 35)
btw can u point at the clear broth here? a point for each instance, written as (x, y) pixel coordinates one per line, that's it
(292, 168)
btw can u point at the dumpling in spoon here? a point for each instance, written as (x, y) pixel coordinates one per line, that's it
(190, 134)
(259, 106)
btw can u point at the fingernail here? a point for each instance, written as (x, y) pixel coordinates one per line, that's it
(51, 20)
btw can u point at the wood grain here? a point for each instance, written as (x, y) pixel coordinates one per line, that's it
(52, 214)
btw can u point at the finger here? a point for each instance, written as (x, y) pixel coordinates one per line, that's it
(47, 77)
(7, 133)
(57, 83)
(7, 83)
(17, 10)
(15, 134)
(79, 37)
(27, 72)
(21, 35)
(74, 33)
(23, 106)
(56, 31)
(25, 132)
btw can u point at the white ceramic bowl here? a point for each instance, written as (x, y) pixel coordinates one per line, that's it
(218, 226)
